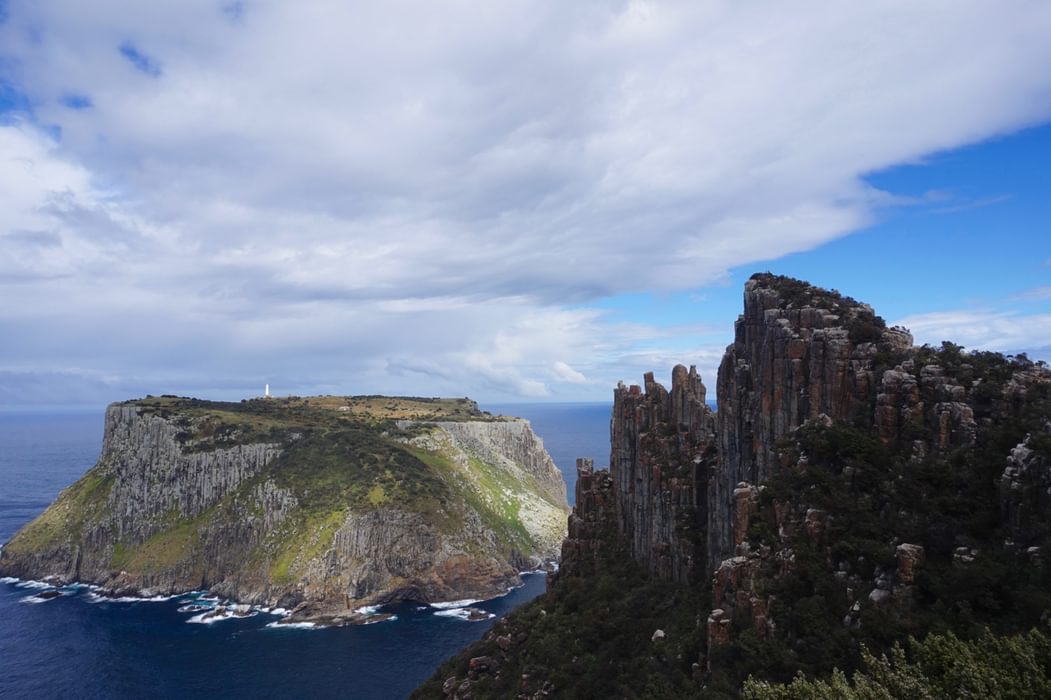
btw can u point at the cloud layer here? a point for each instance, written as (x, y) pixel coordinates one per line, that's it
(424, 197)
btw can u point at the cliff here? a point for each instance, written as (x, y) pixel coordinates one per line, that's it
(798, 352)
(852, 490)
(323, 504)
(662, 448)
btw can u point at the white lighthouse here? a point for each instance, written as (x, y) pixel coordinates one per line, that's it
(266, 391)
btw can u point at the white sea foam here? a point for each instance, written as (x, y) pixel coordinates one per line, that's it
(34, 599)
(33, 584)
(462, 614)
(151, 599)
(210, 616)
(190, 596)
(9, 579)
(380, 619)
(537, 571)
(207, 618)
(77, 586)
(277, 625)
(455, 604)
(368, 609)
(267, 610)
(94, 597)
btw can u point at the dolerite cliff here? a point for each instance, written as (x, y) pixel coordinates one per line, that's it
(323, 504)
(852, 490)
(662, 449)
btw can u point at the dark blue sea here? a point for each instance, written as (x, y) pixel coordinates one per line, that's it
(76, 647)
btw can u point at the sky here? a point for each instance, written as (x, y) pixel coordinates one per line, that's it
(512, 201)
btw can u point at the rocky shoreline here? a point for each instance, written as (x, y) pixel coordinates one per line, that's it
(208, 608)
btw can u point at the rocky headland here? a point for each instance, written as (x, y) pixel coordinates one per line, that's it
(852, 490)
(322, 505)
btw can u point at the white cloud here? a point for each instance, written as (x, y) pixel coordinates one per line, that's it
(1001, 331)
(339, 190)
(567, 374)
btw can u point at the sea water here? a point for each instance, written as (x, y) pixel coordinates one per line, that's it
(78, 645)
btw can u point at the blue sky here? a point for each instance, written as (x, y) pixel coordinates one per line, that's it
(971, 238)
(518, 203)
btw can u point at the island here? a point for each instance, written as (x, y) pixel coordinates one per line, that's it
(325, 506)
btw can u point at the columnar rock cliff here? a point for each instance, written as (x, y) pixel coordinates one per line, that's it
(153, 473)
(594, 510)
(798, 352)
(851, 490)
(327, 503)
(662, 448)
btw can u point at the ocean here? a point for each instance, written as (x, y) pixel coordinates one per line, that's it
(78, 646)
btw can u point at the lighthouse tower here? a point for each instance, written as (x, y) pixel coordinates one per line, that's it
(266, 391)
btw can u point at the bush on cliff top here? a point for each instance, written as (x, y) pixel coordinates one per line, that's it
(863, 326)
(941, 666)
(591, 638)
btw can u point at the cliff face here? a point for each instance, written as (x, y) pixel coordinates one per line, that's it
(798, 352)
(152, 473)
(852, 490)
(662, 448)
(301, 504)
(588, 536)
(809, 367)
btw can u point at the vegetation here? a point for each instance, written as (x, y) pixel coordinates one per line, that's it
(593, 638)
(163, 550)
(351, 466)
(208, 425)
(491, 492)
(874, 496)
(306, 537)
(941, 666)
(861, 323)
(75, 509)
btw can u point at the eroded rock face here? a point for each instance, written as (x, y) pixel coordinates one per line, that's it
(910, 559)
(591, 523)
(662, 444)
(793, 358)
(899, 406)
(736, 601)
(513, 445)
(1025, 486)
(153, 473)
